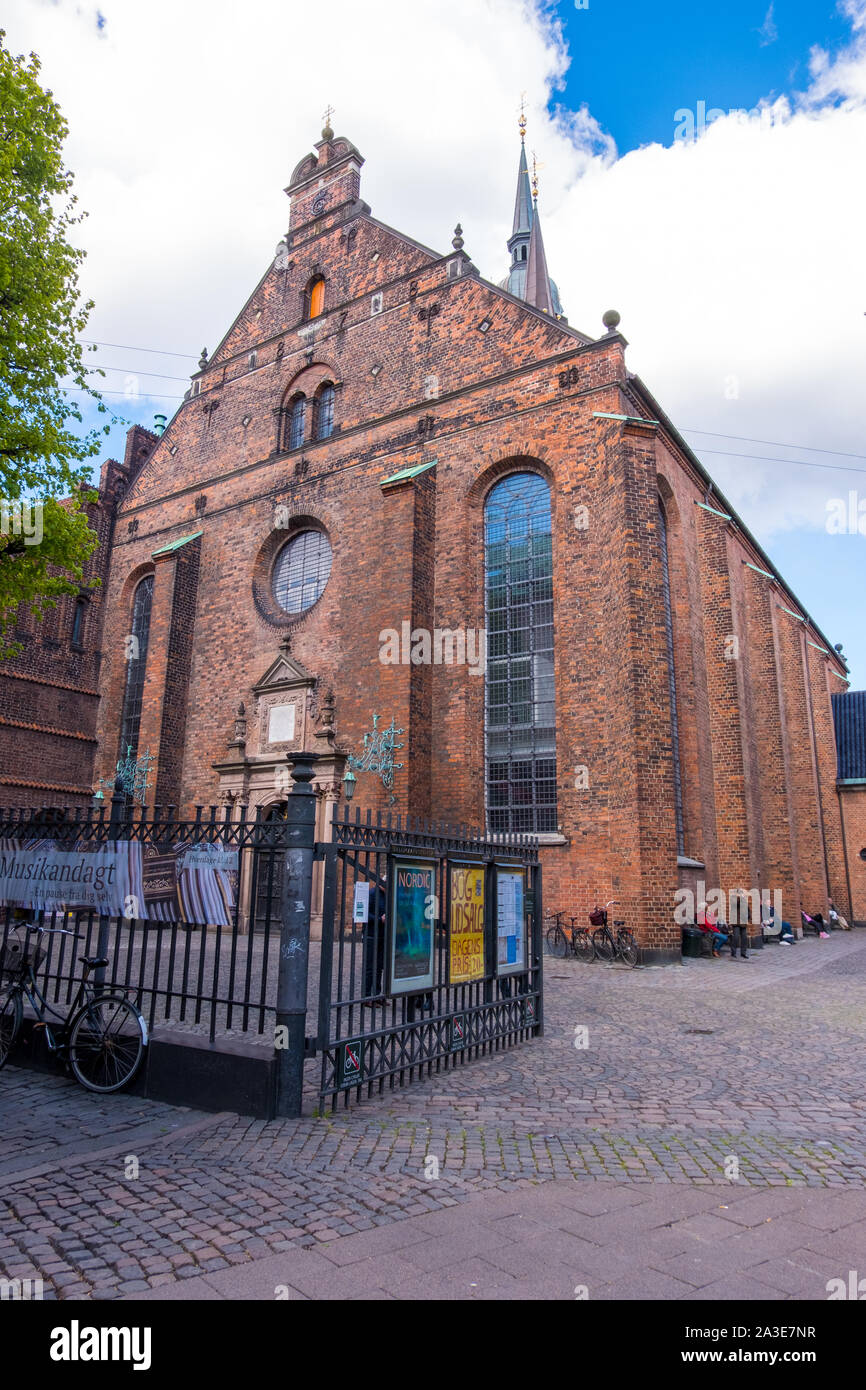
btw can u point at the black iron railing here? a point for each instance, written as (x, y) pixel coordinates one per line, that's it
(207, 978)
(370, 1036)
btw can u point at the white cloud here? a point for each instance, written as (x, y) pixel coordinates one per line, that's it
(735, 261)
(768, 31)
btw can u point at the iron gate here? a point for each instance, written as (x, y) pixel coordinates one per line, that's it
(392, 1011)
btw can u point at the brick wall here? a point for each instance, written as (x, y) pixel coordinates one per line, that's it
(51, 685)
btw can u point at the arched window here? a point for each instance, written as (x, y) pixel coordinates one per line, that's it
(520, 705)
(297, 422)
(315, 297)
(672, 684)
(78, 617)
(325, 411)
(136, 665)
(301, 571)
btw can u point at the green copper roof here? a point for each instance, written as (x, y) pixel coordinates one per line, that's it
(176, 545)
(406, 473)
(523, 201)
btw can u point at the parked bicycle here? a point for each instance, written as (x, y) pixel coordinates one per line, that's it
(561, 940)
(607, 946)
(103, 1035)
(569, 940)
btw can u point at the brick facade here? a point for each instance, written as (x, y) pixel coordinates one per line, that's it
(433, 366)
(49, 690)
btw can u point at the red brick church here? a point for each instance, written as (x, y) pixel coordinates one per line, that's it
(400, 497)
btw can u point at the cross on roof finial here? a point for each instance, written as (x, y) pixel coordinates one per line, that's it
(329, 111)
(521, 124)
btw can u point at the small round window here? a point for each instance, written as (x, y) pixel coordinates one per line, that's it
(301, 571)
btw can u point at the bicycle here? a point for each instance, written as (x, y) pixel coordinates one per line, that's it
(555, 937)
(606, 946)
(102, 1037)
(560, 942)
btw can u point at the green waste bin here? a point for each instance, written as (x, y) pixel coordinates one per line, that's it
(693, 944)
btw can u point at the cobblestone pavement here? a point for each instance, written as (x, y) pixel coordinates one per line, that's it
(750, 1072)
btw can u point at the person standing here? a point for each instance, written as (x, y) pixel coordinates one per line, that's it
(739, 926)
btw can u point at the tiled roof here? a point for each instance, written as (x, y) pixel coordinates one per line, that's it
(849, 716)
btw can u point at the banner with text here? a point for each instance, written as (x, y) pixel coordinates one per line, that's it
(123, 878)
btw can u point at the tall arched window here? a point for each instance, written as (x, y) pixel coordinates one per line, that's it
(297, 422)
(136, 664)
(520, 706)
(315, 297)
(325, 411)
(672, 684)
(78, 615)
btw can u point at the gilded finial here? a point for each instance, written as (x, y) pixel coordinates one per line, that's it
(327, 132)
(521, 124)
(536, 165)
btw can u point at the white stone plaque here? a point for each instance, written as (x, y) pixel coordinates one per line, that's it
(281, 724)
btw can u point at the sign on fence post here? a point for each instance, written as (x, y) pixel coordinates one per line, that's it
(295, 902)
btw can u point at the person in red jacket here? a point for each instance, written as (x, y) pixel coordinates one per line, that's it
(708, 923)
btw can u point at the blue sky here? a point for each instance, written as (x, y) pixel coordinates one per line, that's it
(635, 63)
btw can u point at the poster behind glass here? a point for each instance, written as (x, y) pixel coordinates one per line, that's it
(413, 916)
(510, 921)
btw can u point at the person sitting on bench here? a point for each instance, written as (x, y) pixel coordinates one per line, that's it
(707, 923)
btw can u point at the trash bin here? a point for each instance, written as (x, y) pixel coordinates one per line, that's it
(692, 942)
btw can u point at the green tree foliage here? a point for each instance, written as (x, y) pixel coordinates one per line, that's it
(42, 318)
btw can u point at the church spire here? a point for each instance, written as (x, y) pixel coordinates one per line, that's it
(537, 289)
(518, 242)
(528, 278)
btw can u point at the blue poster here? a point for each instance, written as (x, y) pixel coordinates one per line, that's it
(413, 916)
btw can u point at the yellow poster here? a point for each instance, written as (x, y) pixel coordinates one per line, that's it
(467, 923)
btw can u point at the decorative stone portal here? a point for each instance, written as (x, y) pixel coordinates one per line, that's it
(277, 721)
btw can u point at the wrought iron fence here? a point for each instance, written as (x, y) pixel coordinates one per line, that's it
(210, 980)
(400, 986)
(376, 1029)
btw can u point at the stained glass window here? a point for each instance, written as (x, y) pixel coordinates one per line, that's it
(301, 571)
(672, 684)
(137, 643)
(520, 704)
(325, 412)
(297, 422)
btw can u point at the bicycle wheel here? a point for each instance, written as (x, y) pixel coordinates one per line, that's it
(583, 947)
(559, 944)
(106, 1043)
(602, 942)
(627, 946)
(11, 1016)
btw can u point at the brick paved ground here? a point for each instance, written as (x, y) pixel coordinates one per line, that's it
(650, 1117)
